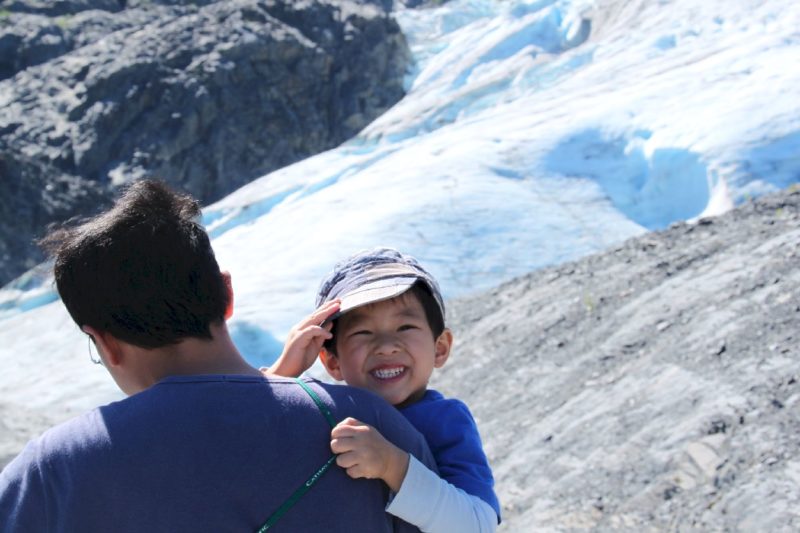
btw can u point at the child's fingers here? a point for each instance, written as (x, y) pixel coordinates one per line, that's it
(311, 337)
(359, 463)
(346, 460)
(345, 436)
(322, 313)
(343, 444)
(356, 472)
(329, 313)
(343, 432)
(339, 447)
(315, 332)
(347, 427)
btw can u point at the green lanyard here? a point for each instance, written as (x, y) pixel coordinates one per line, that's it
(305, 487)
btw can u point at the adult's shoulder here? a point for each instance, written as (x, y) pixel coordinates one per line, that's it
(334, 395)
(357, 403)
(352, 396)
(78, 439)
(79, 435)
(27, 482)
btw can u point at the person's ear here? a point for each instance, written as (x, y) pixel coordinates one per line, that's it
(108, 347)
(331, 364)
(226, 277)
(442, 348)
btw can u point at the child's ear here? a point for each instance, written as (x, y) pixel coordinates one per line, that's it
(331, 364)
(443, 345)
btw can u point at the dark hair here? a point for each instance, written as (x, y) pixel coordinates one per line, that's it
(432, 313)
(143, 271)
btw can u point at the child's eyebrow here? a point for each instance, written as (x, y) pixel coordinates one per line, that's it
(408, 312)
(355, 315)
(359, 315)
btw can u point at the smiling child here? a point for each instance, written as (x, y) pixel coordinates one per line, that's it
(380, 326)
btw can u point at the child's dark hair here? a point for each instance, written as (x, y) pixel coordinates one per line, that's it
(432, 314)
(143, 271)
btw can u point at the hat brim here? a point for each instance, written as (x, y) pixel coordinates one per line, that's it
(377, 291)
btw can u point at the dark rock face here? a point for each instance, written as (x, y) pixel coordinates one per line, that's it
(421, 3)
(205, 95)
(652, 387)
(33, 193)
(56, 8)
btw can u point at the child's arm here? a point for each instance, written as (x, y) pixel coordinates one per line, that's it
(304, 342)
(436, 506)
(422, 498)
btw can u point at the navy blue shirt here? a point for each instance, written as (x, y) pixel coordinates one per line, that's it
(202, 453)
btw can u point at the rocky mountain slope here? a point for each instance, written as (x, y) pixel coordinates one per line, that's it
(653, 387)
(207, 95)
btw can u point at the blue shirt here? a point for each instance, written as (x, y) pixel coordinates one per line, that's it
(202, 453)
(453, 437)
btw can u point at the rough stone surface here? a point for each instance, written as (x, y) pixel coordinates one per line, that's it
(421, 3)
(205, 95)
(653, 387)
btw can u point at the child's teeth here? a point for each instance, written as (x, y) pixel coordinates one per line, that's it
(386, 373)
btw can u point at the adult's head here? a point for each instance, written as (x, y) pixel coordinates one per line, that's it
(144, 271)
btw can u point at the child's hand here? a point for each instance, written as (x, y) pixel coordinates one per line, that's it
(304, 342)
(363, 452)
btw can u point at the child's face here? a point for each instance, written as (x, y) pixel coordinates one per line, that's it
(388, 348)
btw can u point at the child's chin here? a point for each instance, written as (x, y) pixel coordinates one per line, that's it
(394, 399)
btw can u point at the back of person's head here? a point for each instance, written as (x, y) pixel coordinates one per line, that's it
(143, 271)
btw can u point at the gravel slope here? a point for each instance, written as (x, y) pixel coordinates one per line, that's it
(651, 387)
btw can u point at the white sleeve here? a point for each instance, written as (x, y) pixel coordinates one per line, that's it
(435, 506)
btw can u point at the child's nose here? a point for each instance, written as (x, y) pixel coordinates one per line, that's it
(386, 344)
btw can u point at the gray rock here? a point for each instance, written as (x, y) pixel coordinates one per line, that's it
(39, 195)
(56, 8)
(670, 403)
(206, 97)
(421, 3)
